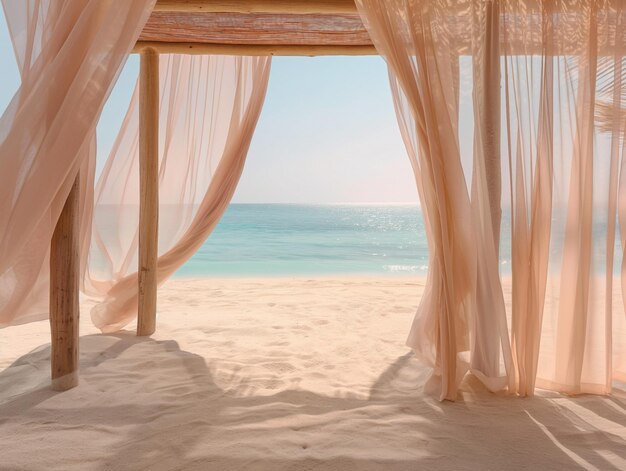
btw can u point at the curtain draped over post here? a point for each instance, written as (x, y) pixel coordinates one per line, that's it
(69, 55)
(209, 107)
(461, 323)
(548, 109)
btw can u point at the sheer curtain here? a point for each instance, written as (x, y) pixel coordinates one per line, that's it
(209, 107)
(548, 113)
(420, 44)
(69, 55)
(567, 102)
(529, 86)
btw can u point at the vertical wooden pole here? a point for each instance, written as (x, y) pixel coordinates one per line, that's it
(491, 116)
(64, 310)
(148, 189)
(486, 178)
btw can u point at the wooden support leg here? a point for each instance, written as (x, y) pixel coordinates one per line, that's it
(486, 177)
(149, 191)
(64, 310)
(490, 127)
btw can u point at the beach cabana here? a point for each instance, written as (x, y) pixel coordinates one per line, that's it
(547, 106)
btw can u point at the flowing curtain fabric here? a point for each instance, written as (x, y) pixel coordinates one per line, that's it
(461, 323)
(565, 98)
(209, 107)
(547, 104)
(562, 84)
(69, 54)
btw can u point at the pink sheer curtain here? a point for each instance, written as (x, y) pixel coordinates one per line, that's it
(529, 101)
(209, 107)
(461, 323)
(69, 54)
(567, 102)
(562, 90)
(492, 359)
(548, 112)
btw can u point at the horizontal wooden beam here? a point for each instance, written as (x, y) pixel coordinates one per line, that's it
(325, 50)
(256, 28)
(258, 6)
(254, 49)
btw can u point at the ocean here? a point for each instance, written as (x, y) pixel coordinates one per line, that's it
(300, 240)
(255, 240)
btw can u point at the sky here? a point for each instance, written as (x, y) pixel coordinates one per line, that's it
(327, 132)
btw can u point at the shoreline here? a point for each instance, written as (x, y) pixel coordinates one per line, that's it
(301, 277)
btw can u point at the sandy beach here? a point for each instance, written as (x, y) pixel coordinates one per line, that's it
(280, 374)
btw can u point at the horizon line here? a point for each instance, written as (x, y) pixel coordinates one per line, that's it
(334, 203)
(279, 203)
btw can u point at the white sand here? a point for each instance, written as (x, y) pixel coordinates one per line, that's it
(280, 374)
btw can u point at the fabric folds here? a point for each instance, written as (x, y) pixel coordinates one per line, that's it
(69, 54)
(460, 322)
(548, 128)
(209, 107)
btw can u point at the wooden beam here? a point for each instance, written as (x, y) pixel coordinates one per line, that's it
(487, 176)
(256, 28)
(148, 189)
(258, 6)
(64, 306)
(254, 49)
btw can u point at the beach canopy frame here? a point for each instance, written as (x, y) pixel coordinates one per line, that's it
(231, 27)
(547, 74)
(234, 27)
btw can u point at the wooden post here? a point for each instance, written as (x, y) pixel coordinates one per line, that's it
(490, 114)
(64, 310)
(487, 168)
(148, 189)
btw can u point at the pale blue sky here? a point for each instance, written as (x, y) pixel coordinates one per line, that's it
(327, 132)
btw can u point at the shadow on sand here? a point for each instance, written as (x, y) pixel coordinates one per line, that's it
(146, 404)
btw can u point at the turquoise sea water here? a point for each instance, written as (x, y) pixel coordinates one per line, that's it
(299, 240)
(286, 240)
